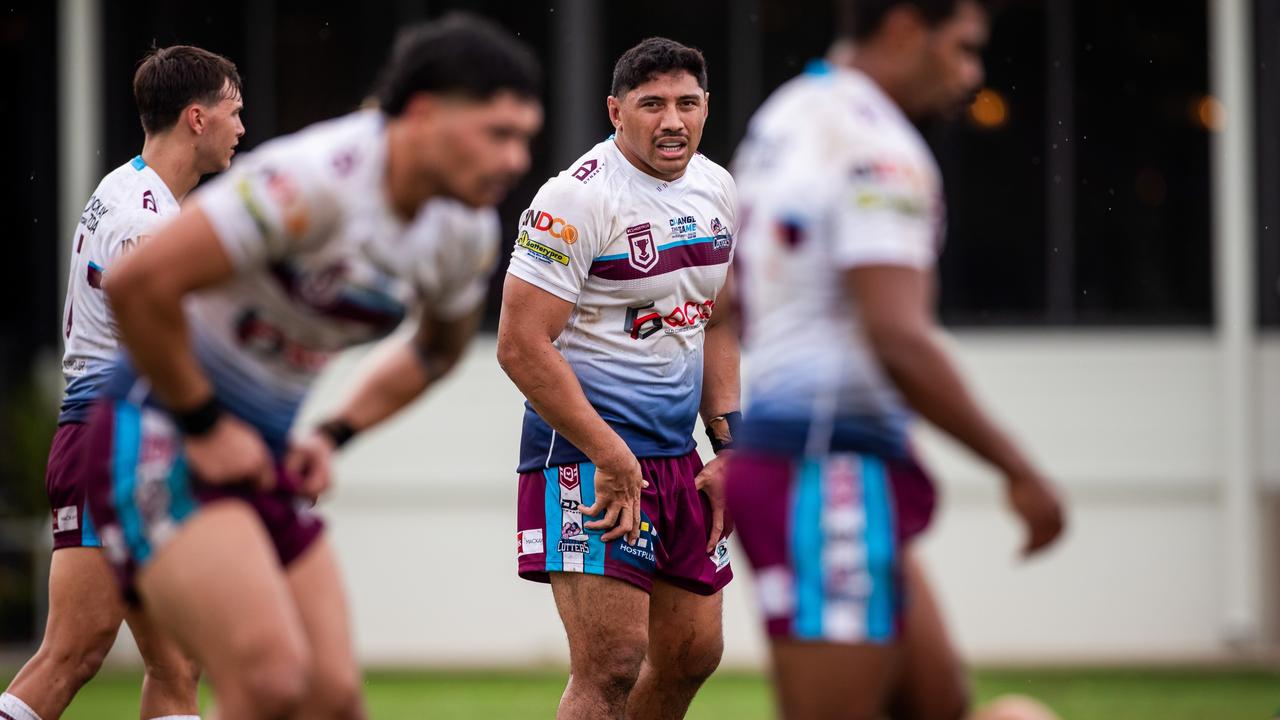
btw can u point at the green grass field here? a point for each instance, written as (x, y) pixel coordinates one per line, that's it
(1075, 694)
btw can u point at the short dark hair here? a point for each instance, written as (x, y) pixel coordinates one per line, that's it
(169, 79)
(860, 19)
(459, 54)
(656, 56)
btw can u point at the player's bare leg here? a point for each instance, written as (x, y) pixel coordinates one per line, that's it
(686, 640)
(85, 611)
(606, 621)
(831, 681)
(932, 684)
(217, 589)
(334, 686)
(169, 685)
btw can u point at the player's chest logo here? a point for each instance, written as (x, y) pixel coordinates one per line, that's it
(642, 251)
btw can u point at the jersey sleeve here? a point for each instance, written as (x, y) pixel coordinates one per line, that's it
(559, 237)
(265, 209)
(885, 214)
(463, 288)
(128, 230)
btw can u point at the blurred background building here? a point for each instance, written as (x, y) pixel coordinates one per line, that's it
(1112, 279)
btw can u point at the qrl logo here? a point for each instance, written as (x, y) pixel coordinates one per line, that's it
(640, 324)
(569, 476)
(553, 226)
(643, 254)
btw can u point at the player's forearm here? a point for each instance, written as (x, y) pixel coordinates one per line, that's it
(930, 382)
(548, 383)
(153, 329)
(721, 391)
(391, 378)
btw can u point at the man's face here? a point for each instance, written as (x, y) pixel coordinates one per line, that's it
(659, 123)
(478, 149)
(222, 131)
(952, 68)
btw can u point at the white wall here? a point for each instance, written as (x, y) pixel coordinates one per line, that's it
(424, 515)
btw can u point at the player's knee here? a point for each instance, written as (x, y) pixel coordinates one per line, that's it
(78, 656)
(702, 660)
(337, 690)
(273, 688)
(177, 675)
(613, 675)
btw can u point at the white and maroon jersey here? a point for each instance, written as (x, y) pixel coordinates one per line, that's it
(642, 260)
(129, 203)
(322, 263)
(831, 176)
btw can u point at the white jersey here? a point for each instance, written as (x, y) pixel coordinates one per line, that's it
(129, 203)
(323, 263)
(832, 176)
(642, 260)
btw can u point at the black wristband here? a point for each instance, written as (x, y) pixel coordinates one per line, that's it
(734, 421)
(199, 420)
(338, 431)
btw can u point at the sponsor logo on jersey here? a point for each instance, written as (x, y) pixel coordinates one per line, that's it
(586, 171)
(66, 518)
(573, 546)
(149, 202)
(556, 227)
(572, 530)
(721, 554)
(642, 252)
(683, 227)
(720, 236)
(643, 553)
(643, 321)
(529, 542)
(93, 214)
(540, 252)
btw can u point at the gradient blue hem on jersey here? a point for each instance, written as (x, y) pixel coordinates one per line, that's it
(794, 436)
(543, 447)
(81, 392)
(238, 396)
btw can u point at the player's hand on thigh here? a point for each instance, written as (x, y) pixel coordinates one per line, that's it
(711, 482)
(618, 497)
(231, 452)
(310, 461)
(1036, 501)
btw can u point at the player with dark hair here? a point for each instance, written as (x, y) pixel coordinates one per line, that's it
(837, 281)
(189, 103)
(609, 327)
(313, 243)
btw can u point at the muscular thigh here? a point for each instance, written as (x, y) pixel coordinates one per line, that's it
(316, 586)
(833, 681)
(600, 613)
(217, 588)
(684, 626)
(932, 684)
(84, 600)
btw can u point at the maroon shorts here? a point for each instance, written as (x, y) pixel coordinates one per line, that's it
(675, 524)
(824, 536)
(140, 491)
(64, 481)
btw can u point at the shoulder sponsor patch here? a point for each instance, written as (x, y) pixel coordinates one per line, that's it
(540, 252)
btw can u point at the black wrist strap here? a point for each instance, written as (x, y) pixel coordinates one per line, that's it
(338, 431)
(733, 420)
(200, 419)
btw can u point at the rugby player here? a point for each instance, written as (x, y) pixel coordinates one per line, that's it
(610, 328)
(845, 218)
(189, 103)
(314, 242)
